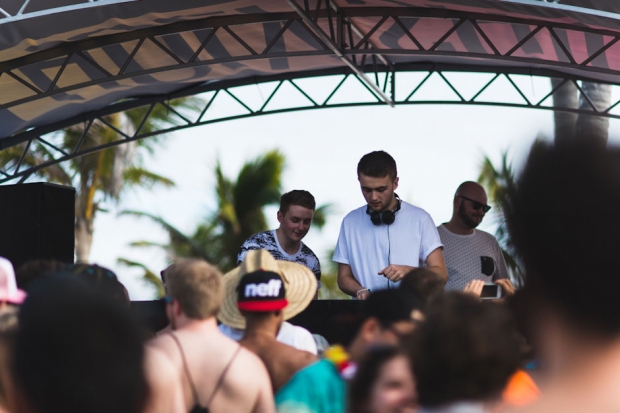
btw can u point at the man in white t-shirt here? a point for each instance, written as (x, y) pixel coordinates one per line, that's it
(471, 254)
(382, 241)
(295, 217)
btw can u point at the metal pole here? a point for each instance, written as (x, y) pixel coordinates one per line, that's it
(334, 48)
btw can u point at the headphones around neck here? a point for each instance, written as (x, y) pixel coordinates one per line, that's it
(387, 217)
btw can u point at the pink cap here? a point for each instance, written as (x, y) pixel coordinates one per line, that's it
(8, 287)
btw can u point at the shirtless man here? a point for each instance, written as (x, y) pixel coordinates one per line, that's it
(264, 317)
(217, 373)
(300, 381)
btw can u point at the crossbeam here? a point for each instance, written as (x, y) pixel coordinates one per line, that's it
(41, 148)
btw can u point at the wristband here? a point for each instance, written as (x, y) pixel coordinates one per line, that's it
(362, 290)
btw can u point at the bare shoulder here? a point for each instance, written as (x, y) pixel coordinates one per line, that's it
(247, 359)
(297, 359)
(154, 356)
(160, 341)
(164, 382)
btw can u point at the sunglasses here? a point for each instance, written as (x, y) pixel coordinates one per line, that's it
(167, 299)
(477, 205)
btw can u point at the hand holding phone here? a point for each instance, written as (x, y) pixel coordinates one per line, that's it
(491, 291)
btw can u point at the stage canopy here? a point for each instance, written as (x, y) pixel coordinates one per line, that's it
(68, 62)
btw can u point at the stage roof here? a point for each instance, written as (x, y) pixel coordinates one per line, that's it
(64, 61)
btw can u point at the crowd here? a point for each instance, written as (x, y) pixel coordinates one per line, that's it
(424, 341)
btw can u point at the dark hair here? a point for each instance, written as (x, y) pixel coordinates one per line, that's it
(296, 197)
(425, 284)
(563, 222)
(32, 271)
(377, 164)
(78, 351)
(100, 278)
(366, 376)
(390, 306)
(465, 350)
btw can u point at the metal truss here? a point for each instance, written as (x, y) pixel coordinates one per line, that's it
(26, 10)
(336, 34)
(45, 147)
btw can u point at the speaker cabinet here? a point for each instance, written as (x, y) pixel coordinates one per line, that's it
(37, 222)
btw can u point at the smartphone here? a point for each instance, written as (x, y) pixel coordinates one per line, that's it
(491, 291)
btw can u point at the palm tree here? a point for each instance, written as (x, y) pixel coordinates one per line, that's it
(239, 214)
(107, 174)
(329, 280)
(500, 185)
(571, 128)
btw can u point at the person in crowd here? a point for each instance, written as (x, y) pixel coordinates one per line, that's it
(424, 284)
(217, 374)
(264, 316)
(387, 318)
(568, 254)
(299, 380)
(77, 351)
(9, 293)
(32, 271)
(383, 383)
(233, 323)
(8, 332)
(386, 238)
(102, 279)
(463, 355)
(295, 217)
(523, 387)
(471, 254)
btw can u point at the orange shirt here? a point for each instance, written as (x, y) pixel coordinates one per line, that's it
(520, 390)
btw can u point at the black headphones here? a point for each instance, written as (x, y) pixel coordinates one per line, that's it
(387, 217)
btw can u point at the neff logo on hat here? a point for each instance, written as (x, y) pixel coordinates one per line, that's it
(270, 289)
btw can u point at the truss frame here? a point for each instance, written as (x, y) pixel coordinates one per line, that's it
(339, 42)
(30, 141)
(24, 13)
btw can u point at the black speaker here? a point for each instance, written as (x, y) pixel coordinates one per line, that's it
(37, 222)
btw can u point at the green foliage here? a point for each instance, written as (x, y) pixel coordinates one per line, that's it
(329, 280)
(106, 174)
(238, 216)
(149, 277)
(499, 183)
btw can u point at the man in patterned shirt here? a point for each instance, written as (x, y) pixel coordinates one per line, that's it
(295, 217)
(471, 254)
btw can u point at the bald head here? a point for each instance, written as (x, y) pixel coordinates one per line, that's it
(470, 201)
(473, 190)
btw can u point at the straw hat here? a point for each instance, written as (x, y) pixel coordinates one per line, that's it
(300, 284)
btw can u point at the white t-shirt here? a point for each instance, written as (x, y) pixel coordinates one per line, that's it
(370, 248)
(290, 334)
(463, 258)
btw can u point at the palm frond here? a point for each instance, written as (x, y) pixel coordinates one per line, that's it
(178, 240)
(499, 183)
(148, 277)
(146, 179)
(320, 215)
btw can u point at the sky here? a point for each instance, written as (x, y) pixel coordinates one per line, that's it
(436, 147)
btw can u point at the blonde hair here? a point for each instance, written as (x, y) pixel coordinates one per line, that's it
(197, 286)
